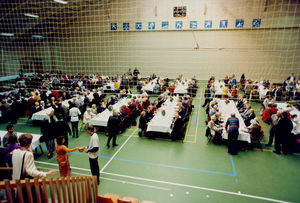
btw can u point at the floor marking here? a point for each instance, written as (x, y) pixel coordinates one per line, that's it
(117, 152)
(197, 118)
(188, 127)
(129, 135)
(128, 182)
(233, 167)
(197, 187)
(178, 184)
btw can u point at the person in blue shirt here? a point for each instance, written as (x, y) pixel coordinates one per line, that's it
(233, 81)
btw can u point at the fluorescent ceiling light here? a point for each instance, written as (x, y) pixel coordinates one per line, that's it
(37, 36)
(60, 1)
(7, 34)
(30, 15)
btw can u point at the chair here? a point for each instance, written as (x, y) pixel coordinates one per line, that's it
(103, 199)
(113, 197)
(68, 189)
(208, 135)
(128, 200)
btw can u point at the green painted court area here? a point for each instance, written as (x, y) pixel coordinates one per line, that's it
(188, 171)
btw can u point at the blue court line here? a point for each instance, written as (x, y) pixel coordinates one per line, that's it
(158, 164)
(233, 168)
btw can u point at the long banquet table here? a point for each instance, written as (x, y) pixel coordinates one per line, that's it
(293, 111)
(41, 115)
(160, 123)
(35, 141)
(226, 110)
(101, 119)
(182, 88)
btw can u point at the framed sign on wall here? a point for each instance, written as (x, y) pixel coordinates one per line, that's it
(179, 11)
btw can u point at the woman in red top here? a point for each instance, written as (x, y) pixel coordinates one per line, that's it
(171, 89)
(62, 156)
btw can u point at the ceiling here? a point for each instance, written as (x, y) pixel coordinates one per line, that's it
(51, 15)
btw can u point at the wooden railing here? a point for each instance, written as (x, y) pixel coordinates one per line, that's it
(79, 189)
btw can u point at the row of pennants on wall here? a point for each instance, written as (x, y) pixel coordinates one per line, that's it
(223, 24)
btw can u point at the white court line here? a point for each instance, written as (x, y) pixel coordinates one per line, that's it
(197, 187)
(179, 184)
(128, 182)
(117, 152)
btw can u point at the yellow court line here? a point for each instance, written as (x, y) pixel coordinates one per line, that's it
(129, 135)
(195, 139)
(188, 127)
(23, 124)
(270, 150)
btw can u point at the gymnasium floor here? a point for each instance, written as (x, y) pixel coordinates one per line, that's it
(189, 171)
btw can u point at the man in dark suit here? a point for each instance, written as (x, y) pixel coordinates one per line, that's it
(113, 129)
(177, 125)
(249, 117)
(62, 128)
(207, 95)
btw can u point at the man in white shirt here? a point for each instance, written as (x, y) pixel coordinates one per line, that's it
(93, 150)
(74, 114)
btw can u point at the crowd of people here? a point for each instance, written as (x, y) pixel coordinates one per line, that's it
(78, 99)
(284, 125)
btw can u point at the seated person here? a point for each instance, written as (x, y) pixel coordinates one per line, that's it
(10, 133)
(149, 114)
(213, 111)
(35, 108)
(176, 127)
(246, 113)
(249, 117)
(240, 102)
(255, 131)
(266, 117)
(112, 100)
(215, 129)
(87, 116)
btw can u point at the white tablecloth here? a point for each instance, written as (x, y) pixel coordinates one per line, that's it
(6, 93)
(160, 123)
(181, 88)
(293, 111)
(262, 91)
(41, 115)
(150, 86)
(35, 141)
(218, 87)
(226, 110)
(101, 119)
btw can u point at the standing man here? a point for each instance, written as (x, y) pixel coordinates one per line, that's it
(207, 95)
(61, 128)
(74, 114)
(113, 128)
(232, 129)
(283, 133)
(93, 150)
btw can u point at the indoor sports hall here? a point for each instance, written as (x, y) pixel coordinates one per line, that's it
(120, 101)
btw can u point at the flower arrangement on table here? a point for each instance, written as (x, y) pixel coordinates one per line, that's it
(227, 101)
(163, 112)
(171, 99)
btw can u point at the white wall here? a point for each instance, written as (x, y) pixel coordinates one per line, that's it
(269, 52)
